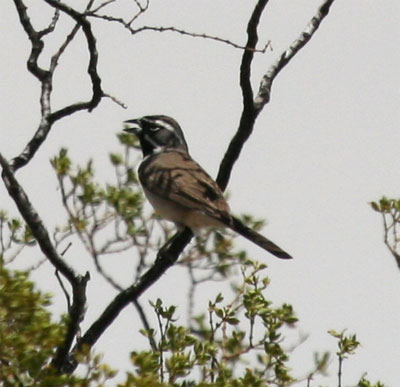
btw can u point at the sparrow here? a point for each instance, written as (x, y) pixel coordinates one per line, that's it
(178, 188)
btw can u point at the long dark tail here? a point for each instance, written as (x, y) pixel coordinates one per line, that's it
(258, 239)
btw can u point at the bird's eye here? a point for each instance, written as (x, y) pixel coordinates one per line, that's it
(154, 128)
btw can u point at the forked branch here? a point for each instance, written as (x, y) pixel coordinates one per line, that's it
(252, 108)
(97, 92)
(45, 76)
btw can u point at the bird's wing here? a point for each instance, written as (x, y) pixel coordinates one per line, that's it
(174, 175)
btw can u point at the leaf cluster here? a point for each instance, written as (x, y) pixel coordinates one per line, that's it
(29, 337)
(218, 348)
(390, 212)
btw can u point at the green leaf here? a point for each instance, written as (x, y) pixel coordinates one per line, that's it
(115, 159)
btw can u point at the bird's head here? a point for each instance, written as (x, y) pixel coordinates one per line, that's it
(157, 133)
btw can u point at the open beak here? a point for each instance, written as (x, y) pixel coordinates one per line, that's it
(133, 126)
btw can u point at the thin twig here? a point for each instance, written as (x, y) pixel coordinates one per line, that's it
(64, 290)
(391, 246)
(11, 258)
(50, 28)
(145, 323)
(116, 100)
(102, 5)
(134, 31)
(70, 37)
(37, 265)
(203, 36)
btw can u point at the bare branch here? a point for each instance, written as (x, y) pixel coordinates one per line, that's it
(248, 117)
(35, 38)
(76, 315)
(145, 323)
(59, 279)
(70, 37)
(248, 55)
(33, 145)
(264, 92)
(103, 5)
(97, 92)
(142, 7)
(115, 100)
(64, 290)
(247, 47)
(46, 76)
(133, 31)
(52, 25)
(251, 109)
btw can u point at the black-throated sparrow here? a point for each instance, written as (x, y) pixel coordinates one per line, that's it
(178, 188)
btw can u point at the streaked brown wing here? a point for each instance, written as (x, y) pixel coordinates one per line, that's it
(174, 175)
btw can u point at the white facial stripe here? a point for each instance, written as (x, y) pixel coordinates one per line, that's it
(165, 125)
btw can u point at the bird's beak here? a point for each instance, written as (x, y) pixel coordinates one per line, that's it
(133, 126)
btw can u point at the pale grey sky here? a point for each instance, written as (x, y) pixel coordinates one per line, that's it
(325, 146)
